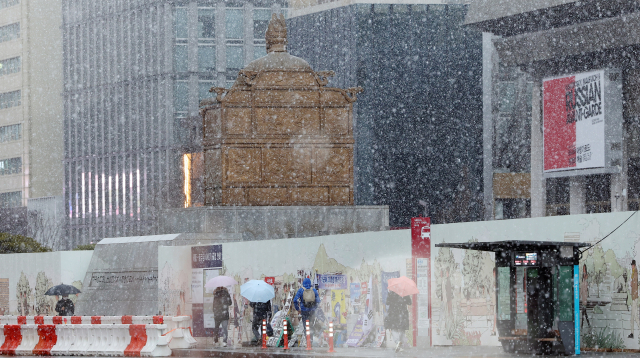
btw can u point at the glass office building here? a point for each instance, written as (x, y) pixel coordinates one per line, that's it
(418, 123)
(134, 73)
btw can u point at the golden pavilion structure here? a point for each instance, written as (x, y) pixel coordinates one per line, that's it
(279, 136)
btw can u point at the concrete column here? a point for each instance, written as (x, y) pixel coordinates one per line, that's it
(221, 46)
(248, 33)
(577, 195)
(194, 101)
(620, 181)
(487, 125)
(192, 42)
(538, 182)
(619, 190)
(169, 37)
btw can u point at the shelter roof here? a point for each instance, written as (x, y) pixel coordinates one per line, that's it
(149, 238)
(512, 245)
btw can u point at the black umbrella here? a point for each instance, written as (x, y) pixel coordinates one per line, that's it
(62, 290)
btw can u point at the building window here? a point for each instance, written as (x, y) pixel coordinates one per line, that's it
(11, 200)
(10, 32)
(203, 89)
(235, 56)
(261, 19)
(181, 102)
(10, 133)
(182, 23)
(259, 51)
(9, 66)
(9, 99)
(11, 166)
(234, 24)
(207, 23)
(206, 58)
(180, 58)
(7, 3)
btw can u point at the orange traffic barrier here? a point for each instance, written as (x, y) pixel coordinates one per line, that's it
(12, 339)
(47, 338)
(308, 329)
(331, 337)
(138, 335)
(285, 336)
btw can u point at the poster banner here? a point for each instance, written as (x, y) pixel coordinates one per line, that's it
(384, 277)
(423, 275)
(207, 298)
(208, 256)
(338, 306)
(332, 282)
(574, 122)
(197, 286)
(356, 334)
(205, 262)
(354, 297)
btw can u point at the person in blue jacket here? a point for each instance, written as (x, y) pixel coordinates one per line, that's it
(306, 301)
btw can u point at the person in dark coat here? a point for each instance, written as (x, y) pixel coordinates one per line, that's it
(397, 320)
(221, 303)
(65, 306)
(261, 311)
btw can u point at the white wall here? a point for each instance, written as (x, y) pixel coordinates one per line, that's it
(68, 267)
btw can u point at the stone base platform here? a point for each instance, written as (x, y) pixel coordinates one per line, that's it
(276, 222)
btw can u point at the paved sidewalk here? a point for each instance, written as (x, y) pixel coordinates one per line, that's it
(434, 352)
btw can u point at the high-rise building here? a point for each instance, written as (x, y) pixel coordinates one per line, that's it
(418, 123)
(31, 151)
(134, 73)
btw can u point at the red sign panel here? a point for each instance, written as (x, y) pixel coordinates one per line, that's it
(270, 280)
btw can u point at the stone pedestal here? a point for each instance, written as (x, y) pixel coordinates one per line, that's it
(276, 222)
(122, 278)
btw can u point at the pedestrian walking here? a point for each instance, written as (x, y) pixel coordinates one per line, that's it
(306, 302)
(221, 303)
(261, 311)
(65, 306)
(397, 320)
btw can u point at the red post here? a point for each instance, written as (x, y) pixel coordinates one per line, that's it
(331, 337)
(264, 334)
(308, 329)
(286, 335)
(421, 250)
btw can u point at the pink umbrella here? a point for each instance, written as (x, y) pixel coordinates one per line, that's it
(403, 286)
(220, 281)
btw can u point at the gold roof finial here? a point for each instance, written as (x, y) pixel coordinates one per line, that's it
(276, 36)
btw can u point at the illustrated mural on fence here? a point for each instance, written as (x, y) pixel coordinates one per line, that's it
(32, 301)
(463, 280)
(288, 262)
(24, 279)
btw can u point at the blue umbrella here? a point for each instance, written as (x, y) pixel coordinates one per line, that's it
(257, 291)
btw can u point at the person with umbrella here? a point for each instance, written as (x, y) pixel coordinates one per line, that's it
(65, 306)
(259, 294)
(221, 303)
(397, 319)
